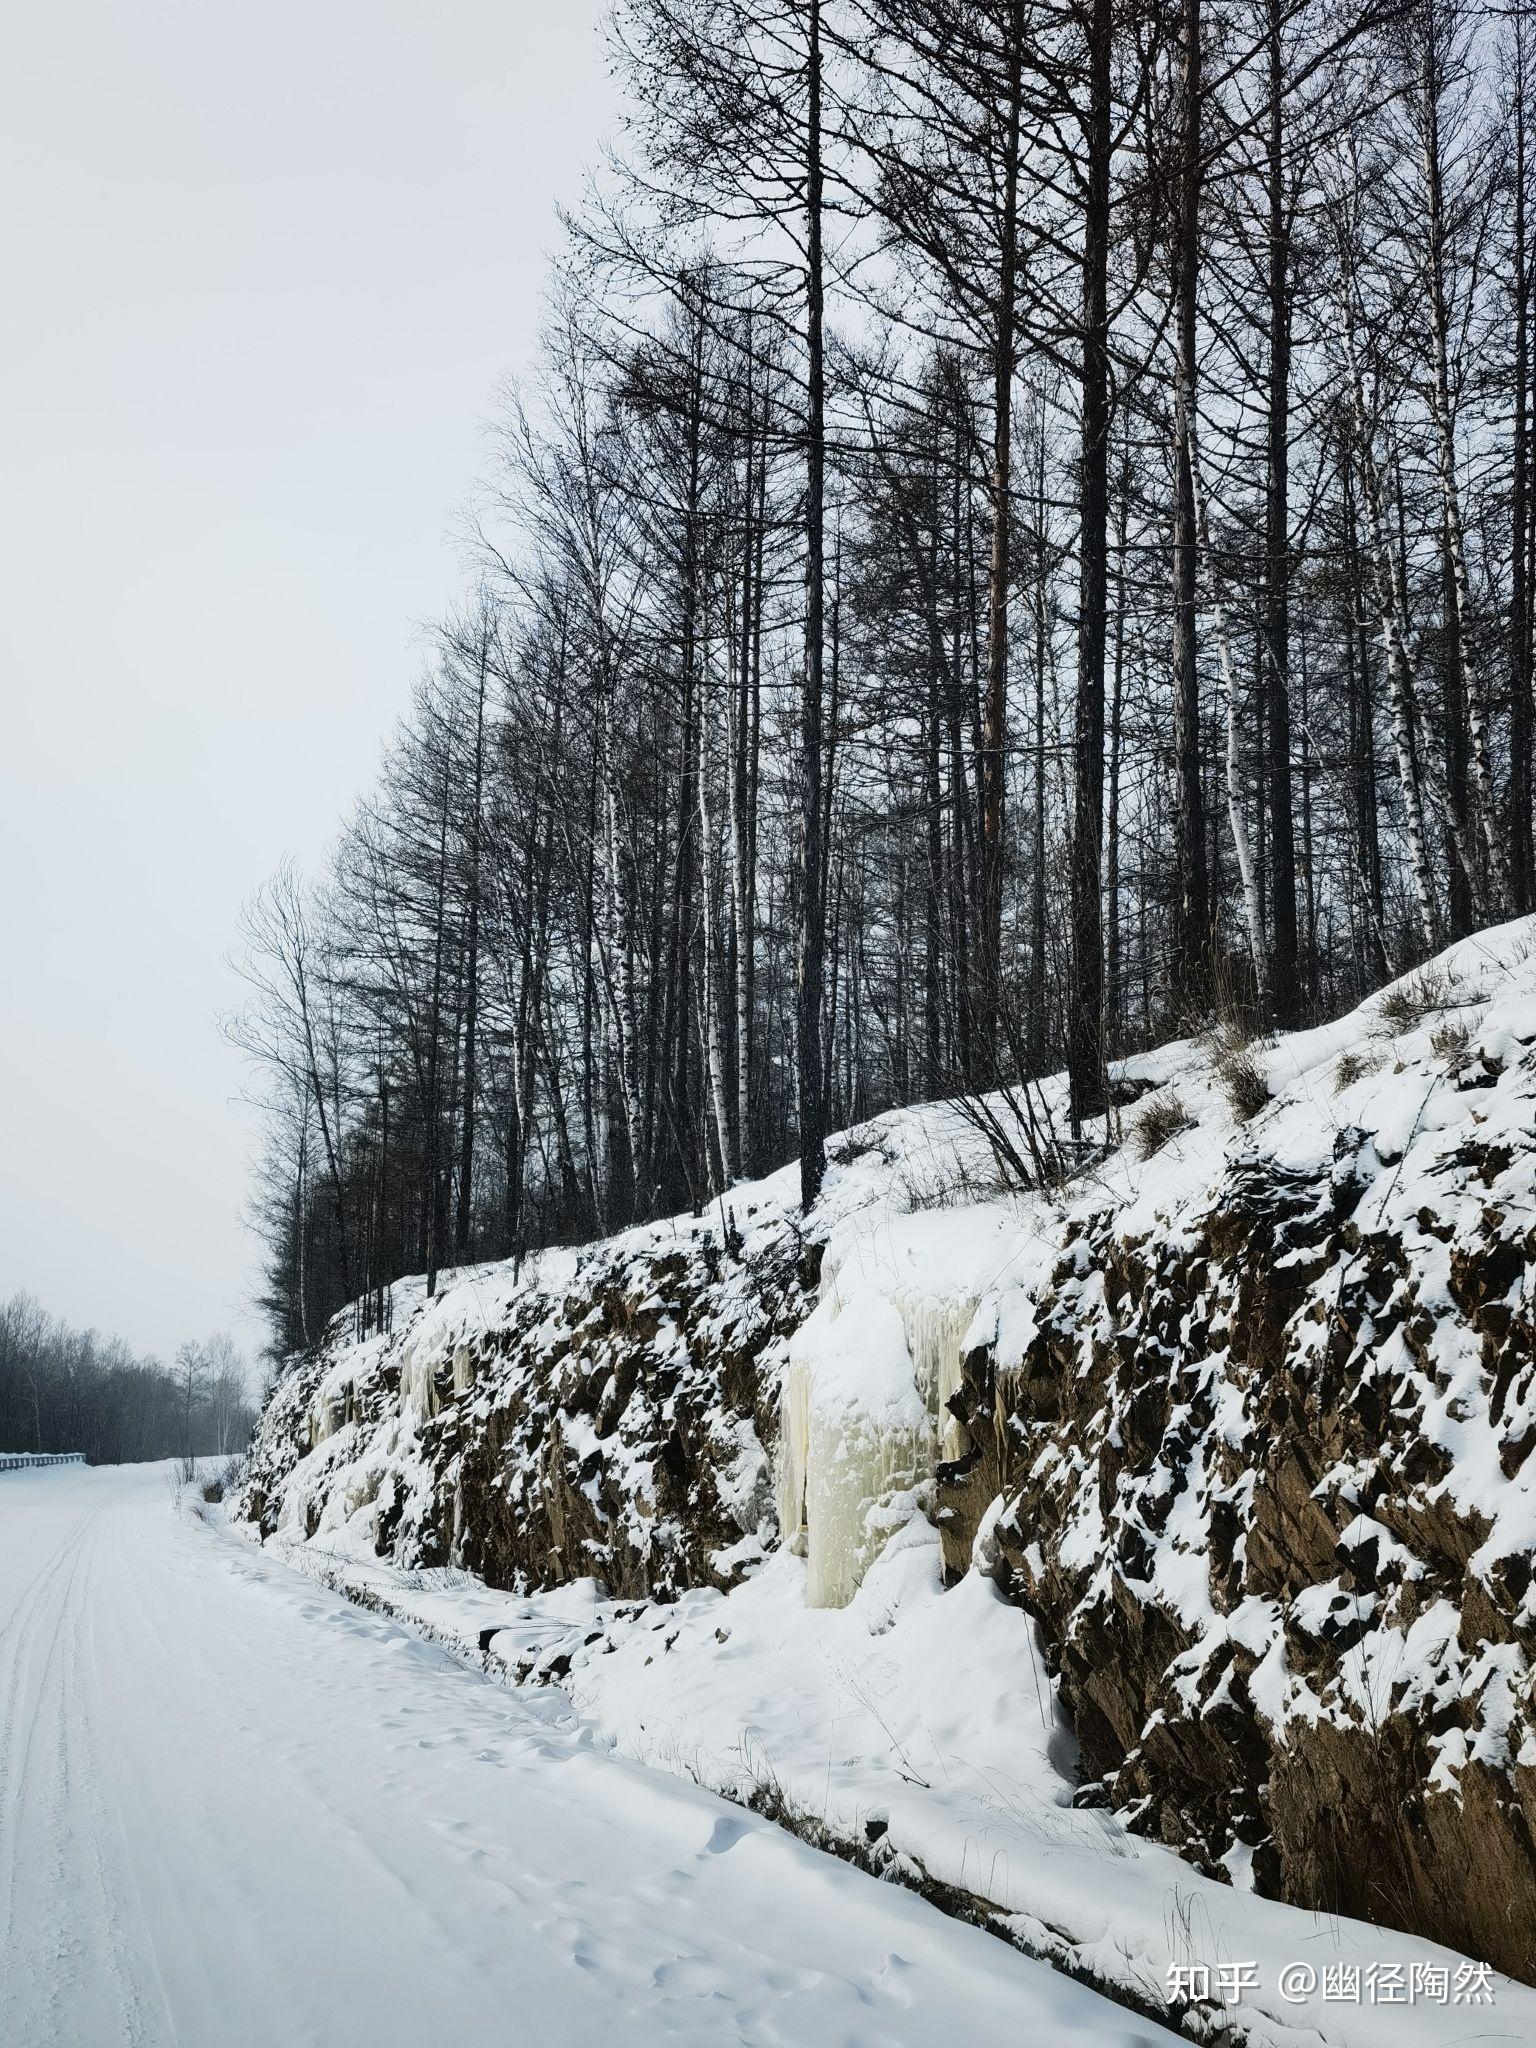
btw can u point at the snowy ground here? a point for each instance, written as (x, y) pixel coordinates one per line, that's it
(924, 1718)
(236, 1810)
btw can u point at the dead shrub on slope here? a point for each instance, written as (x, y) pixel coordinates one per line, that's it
(1408, 1002)
(1161, 1121)
(1241, 1076)
(1350, 1068)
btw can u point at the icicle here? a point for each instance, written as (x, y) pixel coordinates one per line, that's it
(854, 1438)
(327, 1413)
(863, 1415)
(463, 1369)
(858, 1466)
(935, 1333)
(418, 1381)
(794, 1441)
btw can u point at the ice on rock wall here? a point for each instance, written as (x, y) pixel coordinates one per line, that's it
(856, 1439)
(936, 1331)
(794, 1443)
(443, 1355)
(864, 1409)
(324, 1419)
(328, 1409)
(418, 1379)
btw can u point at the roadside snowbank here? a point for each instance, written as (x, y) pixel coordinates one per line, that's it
(1240, 1412)
(918, 1729)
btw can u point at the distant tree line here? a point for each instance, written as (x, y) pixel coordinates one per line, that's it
(1019, 541)
(63, 1389)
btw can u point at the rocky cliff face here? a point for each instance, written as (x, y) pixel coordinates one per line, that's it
(606, 1413)
(1244, 1415)
(1266, 1481)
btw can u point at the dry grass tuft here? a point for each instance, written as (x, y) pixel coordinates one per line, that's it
(1352, 1067)
(1451, 1043)
(1242, 1077)
(1409, 1002)
(1163, 1118)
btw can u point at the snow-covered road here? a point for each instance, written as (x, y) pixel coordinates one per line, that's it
(234, 1810)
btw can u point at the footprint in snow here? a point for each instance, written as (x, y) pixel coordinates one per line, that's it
(688, 1977)
(728, 1831)
(784, 1978)
(890, 1986)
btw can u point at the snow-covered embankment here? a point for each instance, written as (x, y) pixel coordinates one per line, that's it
(1241, 1416)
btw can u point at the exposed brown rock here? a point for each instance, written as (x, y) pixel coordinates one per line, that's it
(1237, 1672)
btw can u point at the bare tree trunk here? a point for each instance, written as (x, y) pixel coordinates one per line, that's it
(813, 1127)
(300, 1222)
(933, 800)
(618, 976)
(994, 730)
(1522, 859)
(1399, 681)
(739, 719)
(1192, 915)
(1237, 800)
(675, 1035)
(464, 1218)
(962, 830)
(718, 1161)
(1391, 601)
(1285, 984)
(1363, 744)
(1085, 992)
(1113, 988)
(1431, 85)
(434, 1106)
(749, 749)
(1037, 1037)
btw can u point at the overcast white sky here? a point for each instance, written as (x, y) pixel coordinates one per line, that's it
(264, 267)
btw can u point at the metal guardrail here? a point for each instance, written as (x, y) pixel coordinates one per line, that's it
(14, 1461)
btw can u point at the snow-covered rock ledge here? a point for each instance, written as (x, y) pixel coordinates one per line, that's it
(605, 1411)
(1265, 1463)
(1242, 1416)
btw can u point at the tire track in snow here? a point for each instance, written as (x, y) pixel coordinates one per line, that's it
(115, 1881)
(294, 1770)
(18, 1618)
(16, 1638)
(77, 1972)
(161, 1842)
(43, 1957)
